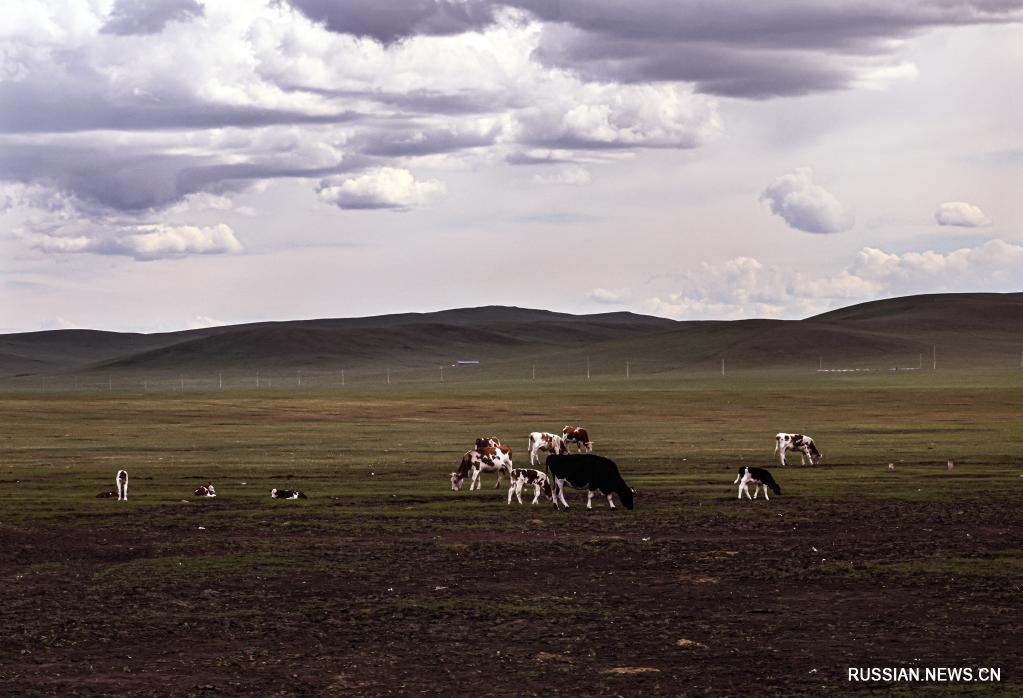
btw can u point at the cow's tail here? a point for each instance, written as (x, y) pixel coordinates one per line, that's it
(777, 443)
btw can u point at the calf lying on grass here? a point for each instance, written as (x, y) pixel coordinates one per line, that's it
(757, 476)
(287, 494)
(206, 490)
(520, 477)
(595, 473)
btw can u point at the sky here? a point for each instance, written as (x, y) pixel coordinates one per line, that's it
(171, 164)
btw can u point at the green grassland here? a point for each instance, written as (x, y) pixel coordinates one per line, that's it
(375, 463)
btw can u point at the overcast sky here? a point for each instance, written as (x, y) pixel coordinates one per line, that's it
(167, 164)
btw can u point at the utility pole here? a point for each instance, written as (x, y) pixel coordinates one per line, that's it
(441, 374)
(534, 371)
(820, 363)
(934, 357)
(342, 378)
(587, 368)
(626, 369)
(722, 367)
(299, 378)
(388, 376)
(220, 376)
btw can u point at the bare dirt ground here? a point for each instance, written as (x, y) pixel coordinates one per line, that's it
(659, 601)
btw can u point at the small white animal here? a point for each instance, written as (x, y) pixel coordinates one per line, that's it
(122, 485)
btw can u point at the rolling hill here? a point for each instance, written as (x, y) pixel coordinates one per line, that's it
(966, 330)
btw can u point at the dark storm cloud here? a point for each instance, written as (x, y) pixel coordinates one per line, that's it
(149, 16)
(40, 107)
(103, 179)
(392, 20)
(741, 49)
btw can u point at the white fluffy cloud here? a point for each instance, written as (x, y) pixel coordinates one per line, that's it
(807, 206)
(962, 214)
(744, 287)
(381, 187)
(143, 242)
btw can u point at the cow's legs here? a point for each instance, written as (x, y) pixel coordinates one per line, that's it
(561, 493)
(589, 499)
(511, 491)
(536, 493)
(766, 496)
(611, 501)
(756, 491)
(802, 457)
(783, 449)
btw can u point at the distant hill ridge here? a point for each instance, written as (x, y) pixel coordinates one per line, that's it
(976, 328)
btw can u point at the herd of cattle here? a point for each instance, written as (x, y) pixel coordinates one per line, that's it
(581, 470)
(595, 474)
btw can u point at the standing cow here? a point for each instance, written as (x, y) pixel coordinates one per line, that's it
(577, 436)
(545, 441)
(122, 485)
(758, 477)
(797, 442)
(476, 462)
(594, 473)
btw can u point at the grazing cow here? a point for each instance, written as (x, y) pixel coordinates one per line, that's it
(286, 494)
(487, 442)
(520, 477)
(797, 442)
(545, 441)
(206, 490)
(578, 436)
(487, 460)
(757, 476)
(122, 485)
(595, 473)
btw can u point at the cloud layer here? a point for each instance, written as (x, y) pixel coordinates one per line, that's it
(122, 111)
(744, 287)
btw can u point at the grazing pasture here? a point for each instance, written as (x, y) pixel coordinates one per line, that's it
(384, 581)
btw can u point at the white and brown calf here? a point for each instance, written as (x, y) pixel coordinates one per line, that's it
(122, 485)
(577, 436)
(476, 462)
(797, 442)
(545, 441)
(520, 477)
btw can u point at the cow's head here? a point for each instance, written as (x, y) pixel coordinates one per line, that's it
(816, 458)
(628, 497)
(775, 487)
(456, 481)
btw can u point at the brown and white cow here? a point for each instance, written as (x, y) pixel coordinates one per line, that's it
(122, 485)
(487, 442)
(797, 442)
(487, 460)
(206, 490)
(520, 477)
(577, 436)
(545, 441)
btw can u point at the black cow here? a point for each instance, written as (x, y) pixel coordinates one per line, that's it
(757, 476)
(594, 473)
(287, 494)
